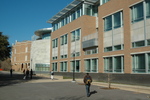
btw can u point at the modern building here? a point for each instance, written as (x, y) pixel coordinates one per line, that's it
(34, 54)
(40, 51)
(20, 57)
(101, 37)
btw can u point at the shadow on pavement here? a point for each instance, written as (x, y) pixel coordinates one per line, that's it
(6, 79)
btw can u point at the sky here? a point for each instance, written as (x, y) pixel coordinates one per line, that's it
(19, 19)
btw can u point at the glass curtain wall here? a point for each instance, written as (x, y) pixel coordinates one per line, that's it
(42, 67)
(91, 10)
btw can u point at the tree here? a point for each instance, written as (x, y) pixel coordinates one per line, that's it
(5, 48)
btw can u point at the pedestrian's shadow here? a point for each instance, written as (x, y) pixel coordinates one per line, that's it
(93, 92)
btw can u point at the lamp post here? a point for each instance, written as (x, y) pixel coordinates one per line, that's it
(73, 80)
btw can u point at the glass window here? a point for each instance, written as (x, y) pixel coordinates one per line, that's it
(73, 36)
(94, 65)
(148, 42)
(117, 20)
(87, 65)
(94, 51)
(114, 64)
(147, 8)
(137, 12)
(54, 66)
(87, 9)
(108, 64)
(138, 44)
(117, 47)
(108, 23)
(76, 65)
(139, 63)
(66, 38)
(78, 12)
(117, 64)
(53, 42)
(62, 40)
(104, 1)
(149, 62)
(107, 49)
(73, 16)
(78, 34)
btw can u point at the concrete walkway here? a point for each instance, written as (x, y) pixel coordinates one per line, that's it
(133, 88)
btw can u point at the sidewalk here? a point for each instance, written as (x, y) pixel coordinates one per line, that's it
(133, 88)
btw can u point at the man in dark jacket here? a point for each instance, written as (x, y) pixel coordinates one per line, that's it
(87, 81)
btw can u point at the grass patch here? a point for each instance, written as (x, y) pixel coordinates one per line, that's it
(64, 77)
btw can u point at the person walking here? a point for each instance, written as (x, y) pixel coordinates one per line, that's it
(31, 73)
(87, 81)
(52, 74)
(27, 74)
(11, 72)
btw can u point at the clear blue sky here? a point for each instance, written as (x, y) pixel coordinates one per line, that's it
(19, 19)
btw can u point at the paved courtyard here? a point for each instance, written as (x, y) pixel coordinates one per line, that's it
(46, 89)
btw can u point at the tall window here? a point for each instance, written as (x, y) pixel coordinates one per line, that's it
(75, 65)
(75, 35)
(148, 63)
(91, 65)
(64, 39)
(63, 66)
(54, 67)
(108, 23)
(73, 16)
(55, 43)
(114, 64)
(147, 8)
(137, 12)
(113, 21)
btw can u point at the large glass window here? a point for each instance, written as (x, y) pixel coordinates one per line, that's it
(113, 21)
(147, 8)
(75, 35)
(139, 63)
(137, 12)
(114, 64)
(91, 65)
(63, 66)
(54, 67)
(108, 64)
(75, 65)
(42, 67)
(117, 64)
